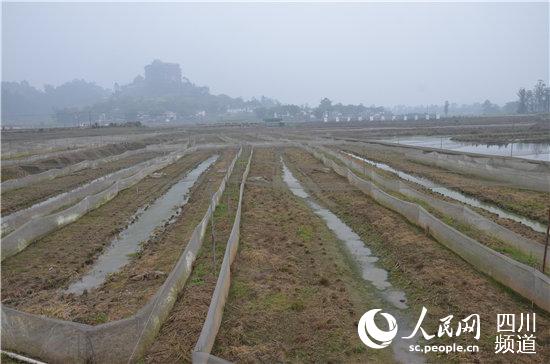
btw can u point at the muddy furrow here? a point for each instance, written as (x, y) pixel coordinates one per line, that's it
(27, 196)
(18, 169)
(179, 334)
(293, 295)
(522, 225)
(531, 204)
(32, 279)
(521, 248)
(431, 275)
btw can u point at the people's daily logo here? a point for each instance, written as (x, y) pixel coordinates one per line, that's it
(371, 334)
(516, 333)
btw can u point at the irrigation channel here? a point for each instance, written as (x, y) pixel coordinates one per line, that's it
(455, 195)
(533, 151)
(366, 262)
(162, 211)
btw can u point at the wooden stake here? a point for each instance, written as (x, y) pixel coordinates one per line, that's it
(546, 244)
(213, 235)
(227, 189)
(365, 164)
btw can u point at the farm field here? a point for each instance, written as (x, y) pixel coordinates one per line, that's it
(26, 196)
(530, 204)
(275, 182)
(315, 223)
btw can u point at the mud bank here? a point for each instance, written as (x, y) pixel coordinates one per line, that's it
(430, 275)
(31, 279)
(178, 335)
(293, 295)
(523, 202)
(162, 211)
(25, 197)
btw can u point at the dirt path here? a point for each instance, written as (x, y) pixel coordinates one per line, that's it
(431, 275)
(31, 279)
(293, 296)
(27, 196)
(531, 204)
(178, 335)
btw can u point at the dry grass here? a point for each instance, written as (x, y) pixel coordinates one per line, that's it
(32, 279)
(293, 296)
(431, 275)
(180, 332)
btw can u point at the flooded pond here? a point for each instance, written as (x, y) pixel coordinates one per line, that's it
(534, 151)
(162, 211)
(366, 261)
(455, 195)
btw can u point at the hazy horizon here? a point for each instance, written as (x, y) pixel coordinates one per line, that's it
(370, 53)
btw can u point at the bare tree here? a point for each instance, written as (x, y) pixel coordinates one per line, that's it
(538, 95)
(522, 101)
(530, 101)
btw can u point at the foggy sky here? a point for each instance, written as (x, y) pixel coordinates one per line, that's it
(371, 53)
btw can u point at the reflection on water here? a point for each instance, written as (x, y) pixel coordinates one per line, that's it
(455, 195)
(363, 255)
(164, 210)
(534, 151)
(366, 262)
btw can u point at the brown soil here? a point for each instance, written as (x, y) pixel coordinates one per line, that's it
(293, 296)
(488, 127)
(208, 139)
(479, 235)
(71, 157)
(531, 204)
(489, 239)
(431, 275)
(249, 137)
(180, 332)
(538, 133)
(31, 279)
(24, 197)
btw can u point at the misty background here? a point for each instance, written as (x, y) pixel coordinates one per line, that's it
(85, 62)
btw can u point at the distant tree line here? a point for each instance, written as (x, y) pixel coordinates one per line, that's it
(162, 94)
(534, 101)
(326, 110)
(23, 104)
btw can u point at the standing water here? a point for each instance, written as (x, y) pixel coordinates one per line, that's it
(534, 151)
(164, 210)
(455, 195)
(366, 262)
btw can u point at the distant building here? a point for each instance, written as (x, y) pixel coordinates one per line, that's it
(170, 116)
(163, 73)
